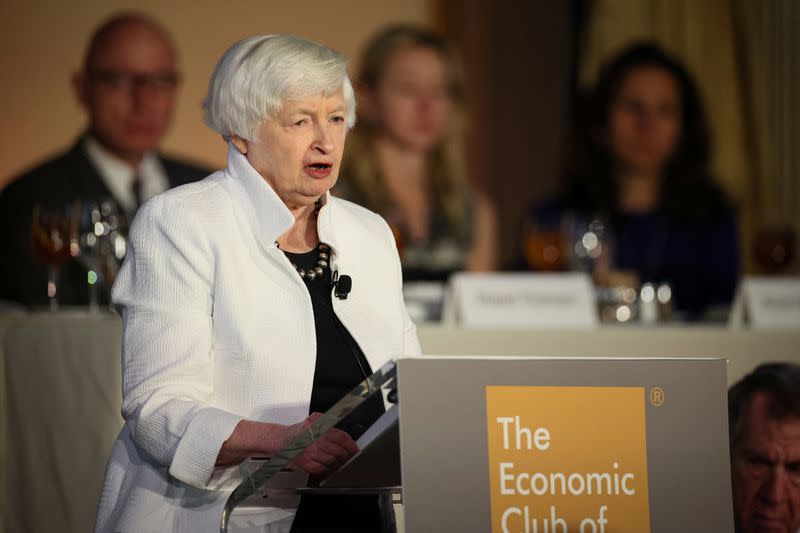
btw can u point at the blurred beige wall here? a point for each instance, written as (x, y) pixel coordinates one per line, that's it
(42, 43)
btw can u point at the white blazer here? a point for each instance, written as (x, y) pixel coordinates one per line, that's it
(218, 327)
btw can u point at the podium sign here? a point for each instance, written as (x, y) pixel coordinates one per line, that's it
(543, 474)
(564, 445)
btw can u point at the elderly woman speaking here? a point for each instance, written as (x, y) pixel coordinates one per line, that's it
(232, 331)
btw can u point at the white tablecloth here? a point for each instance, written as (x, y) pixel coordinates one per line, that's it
(61, 401)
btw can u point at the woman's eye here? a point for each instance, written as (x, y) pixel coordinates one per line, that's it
(337, 119)
(299, 122)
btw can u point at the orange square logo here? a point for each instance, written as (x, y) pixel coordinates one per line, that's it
(568, 459)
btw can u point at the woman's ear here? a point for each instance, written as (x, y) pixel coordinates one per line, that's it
(239, 143)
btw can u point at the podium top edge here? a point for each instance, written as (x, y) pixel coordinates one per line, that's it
(560, 358)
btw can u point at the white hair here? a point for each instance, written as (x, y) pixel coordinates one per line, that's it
(257, 75)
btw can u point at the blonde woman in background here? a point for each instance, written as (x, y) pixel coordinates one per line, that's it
(404, 159)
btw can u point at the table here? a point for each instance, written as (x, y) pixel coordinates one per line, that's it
(61, 398)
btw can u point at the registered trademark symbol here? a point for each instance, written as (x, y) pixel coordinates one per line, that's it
(656, 396)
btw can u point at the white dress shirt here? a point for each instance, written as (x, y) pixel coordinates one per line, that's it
(219, 327)
(118, 176)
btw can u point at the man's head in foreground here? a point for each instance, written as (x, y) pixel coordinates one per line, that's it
(764, 417)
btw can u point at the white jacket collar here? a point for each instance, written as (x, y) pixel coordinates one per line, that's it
(267, 213)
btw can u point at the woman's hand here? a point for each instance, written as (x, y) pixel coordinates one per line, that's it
(327, 453)
(259, 439)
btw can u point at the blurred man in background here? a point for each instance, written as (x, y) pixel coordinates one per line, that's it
(764, 410)
(127, 85)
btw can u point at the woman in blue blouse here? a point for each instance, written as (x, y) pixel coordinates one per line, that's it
(642, 164)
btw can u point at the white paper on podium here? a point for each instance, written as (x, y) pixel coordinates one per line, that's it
(377, 464)
(771, 302)
(527, 300)
(375, 430)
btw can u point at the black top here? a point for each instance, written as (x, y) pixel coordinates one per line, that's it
(340, 366)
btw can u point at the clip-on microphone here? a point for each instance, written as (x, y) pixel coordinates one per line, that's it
(342, 286)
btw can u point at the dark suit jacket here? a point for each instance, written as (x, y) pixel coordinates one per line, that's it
(56, 182)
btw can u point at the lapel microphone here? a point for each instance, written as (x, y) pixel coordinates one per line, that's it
(342, 286)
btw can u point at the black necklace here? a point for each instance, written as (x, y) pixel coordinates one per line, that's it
(311, 273)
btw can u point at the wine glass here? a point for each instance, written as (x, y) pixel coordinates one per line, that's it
(102, 244)
(54, 241)
(774, 248)
(590, 242)
(92, 231)
(545, 242)
(115, 242)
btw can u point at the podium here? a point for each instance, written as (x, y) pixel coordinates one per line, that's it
(535, 444)
(374, 470)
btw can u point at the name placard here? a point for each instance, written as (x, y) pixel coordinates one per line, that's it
(772, 303)
(543, 474)
(524, 300)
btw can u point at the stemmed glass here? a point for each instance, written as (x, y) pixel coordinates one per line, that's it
(102, 244)
(54, 241)
(590, 241)
(92, 231)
